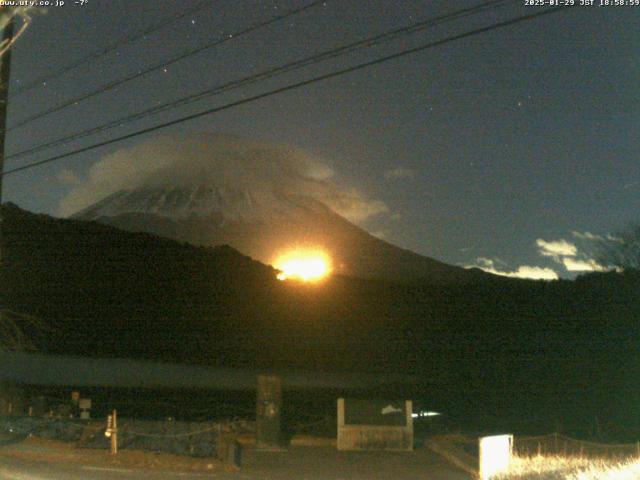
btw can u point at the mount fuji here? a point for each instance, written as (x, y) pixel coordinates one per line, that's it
(258, 198)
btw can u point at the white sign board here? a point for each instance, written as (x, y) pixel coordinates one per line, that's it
(495, 455)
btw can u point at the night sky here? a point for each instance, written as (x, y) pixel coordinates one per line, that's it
(507, 149)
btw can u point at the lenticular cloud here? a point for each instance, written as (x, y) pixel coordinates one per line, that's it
(267, 170)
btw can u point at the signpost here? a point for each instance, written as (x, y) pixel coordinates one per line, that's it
(375, 424)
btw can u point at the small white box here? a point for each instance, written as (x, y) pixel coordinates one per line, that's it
(495, 455)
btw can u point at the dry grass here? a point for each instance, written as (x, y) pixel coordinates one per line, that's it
(570, 468)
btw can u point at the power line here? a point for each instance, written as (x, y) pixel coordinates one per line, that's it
(293, 86)
(164, 64)
(270, 73)
(114, 46)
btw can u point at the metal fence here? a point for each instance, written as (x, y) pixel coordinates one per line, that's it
(196, 439)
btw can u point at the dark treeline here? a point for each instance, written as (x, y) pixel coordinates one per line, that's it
(499, 353)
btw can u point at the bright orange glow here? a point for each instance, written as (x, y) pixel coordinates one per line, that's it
(305, 265)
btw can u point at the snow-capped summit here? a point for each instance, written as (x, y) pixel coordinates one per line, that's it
(180, 203)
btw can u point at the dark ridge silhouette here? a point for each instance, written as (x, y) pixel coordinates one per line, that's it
(498, 348)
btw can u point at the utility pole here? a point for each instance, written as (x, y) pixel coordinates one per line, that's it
(5, 71)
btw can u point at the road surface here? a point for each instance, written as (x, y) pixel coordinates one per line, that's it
(297, 463)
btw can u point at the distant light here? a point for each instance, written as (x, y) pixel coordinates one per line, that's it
(425, 413)
(301, 264)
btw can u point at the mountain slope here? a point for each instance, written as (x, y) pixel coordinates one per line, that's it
(210, 216)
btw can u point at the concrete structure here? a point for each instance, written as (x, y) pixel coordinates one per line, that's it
(375, 425)
(269, 412)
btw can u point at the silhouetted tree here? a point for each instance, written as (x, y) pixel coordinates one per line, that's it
(621, 251)
(18, 331)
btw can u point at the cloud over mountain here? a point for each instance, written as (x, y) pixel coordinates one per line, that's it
(567, 253)
(556, 248)
(524, 271)
(264, 169)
